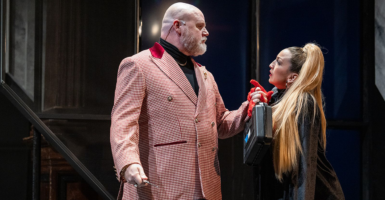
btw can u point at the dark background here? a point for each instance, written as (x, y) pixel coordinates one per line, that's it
(344, 29)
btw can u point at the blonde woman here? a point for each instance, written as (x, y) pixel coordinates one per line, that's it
(296, 166)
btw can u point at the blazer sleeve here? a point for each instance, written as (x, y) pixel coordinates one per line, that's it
(229, 123)
(309, 131)
(124, 133)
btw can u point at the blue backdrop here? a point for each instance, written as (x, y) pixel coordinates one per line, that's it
(334, 25)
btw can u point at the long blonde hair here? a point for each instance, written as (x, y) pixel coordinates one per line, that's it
(308, 62)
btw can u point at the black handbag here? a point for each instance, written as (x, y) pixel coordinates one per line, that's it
(257, 134)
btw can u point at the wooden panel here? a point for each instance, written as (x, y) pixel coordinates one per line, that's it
(85, 43)
(65, 51)
(59, 180)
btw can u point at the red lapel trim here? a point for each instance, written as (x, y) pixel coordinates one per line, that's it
(157, 50)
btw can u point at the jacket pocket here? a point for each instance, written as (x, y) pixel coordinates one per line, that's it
(171, 143)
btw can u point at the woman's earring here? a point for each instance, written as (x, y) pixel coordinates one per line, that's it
(286, 84)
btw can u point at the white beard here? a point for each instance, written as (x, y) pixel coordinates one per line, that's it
(192, 45)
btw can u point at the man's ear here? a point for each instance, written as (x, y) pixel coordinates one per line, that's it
(292, 78)
(177, 24)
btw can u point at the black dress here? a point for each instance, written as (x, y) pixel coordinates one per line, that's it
(314, 177)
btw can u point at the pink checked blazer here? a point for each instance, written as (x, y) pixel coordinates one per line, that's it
(159, 122)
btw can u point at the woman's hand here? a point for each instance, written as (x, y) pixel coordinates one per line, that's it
(258, 96)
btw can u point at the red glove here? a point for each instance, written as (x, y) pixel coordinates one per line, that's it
(263, 99)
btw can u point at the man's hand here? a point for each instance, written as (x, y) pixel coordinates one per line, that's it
(135, 175)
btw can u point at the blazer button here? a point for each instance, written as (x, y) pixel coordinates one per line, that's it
(212, 124)
(196, 120)
(199, 144)
(169, 98)
(214, 148)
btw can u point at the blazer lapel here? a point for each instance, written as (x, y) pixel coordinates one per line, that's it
(169, 66)
(201, 78)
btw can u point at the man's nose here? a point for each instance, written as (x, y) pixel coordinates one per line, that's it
(205, 32)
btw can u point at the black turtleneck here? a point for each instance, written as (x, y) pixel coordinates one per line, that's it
(180, 58)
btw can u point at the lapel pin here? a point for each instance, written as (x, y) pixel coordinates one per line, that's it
(205, 75)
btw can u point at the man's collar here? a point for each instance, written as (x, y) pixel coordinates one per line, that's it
(157, 51)
(175, 53)
(168, 46)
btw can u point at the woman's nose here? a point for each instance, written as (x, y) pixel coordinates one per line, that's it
(271, 65)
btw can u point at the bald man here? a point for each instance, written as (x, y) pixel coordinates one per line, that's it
(168, 116)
